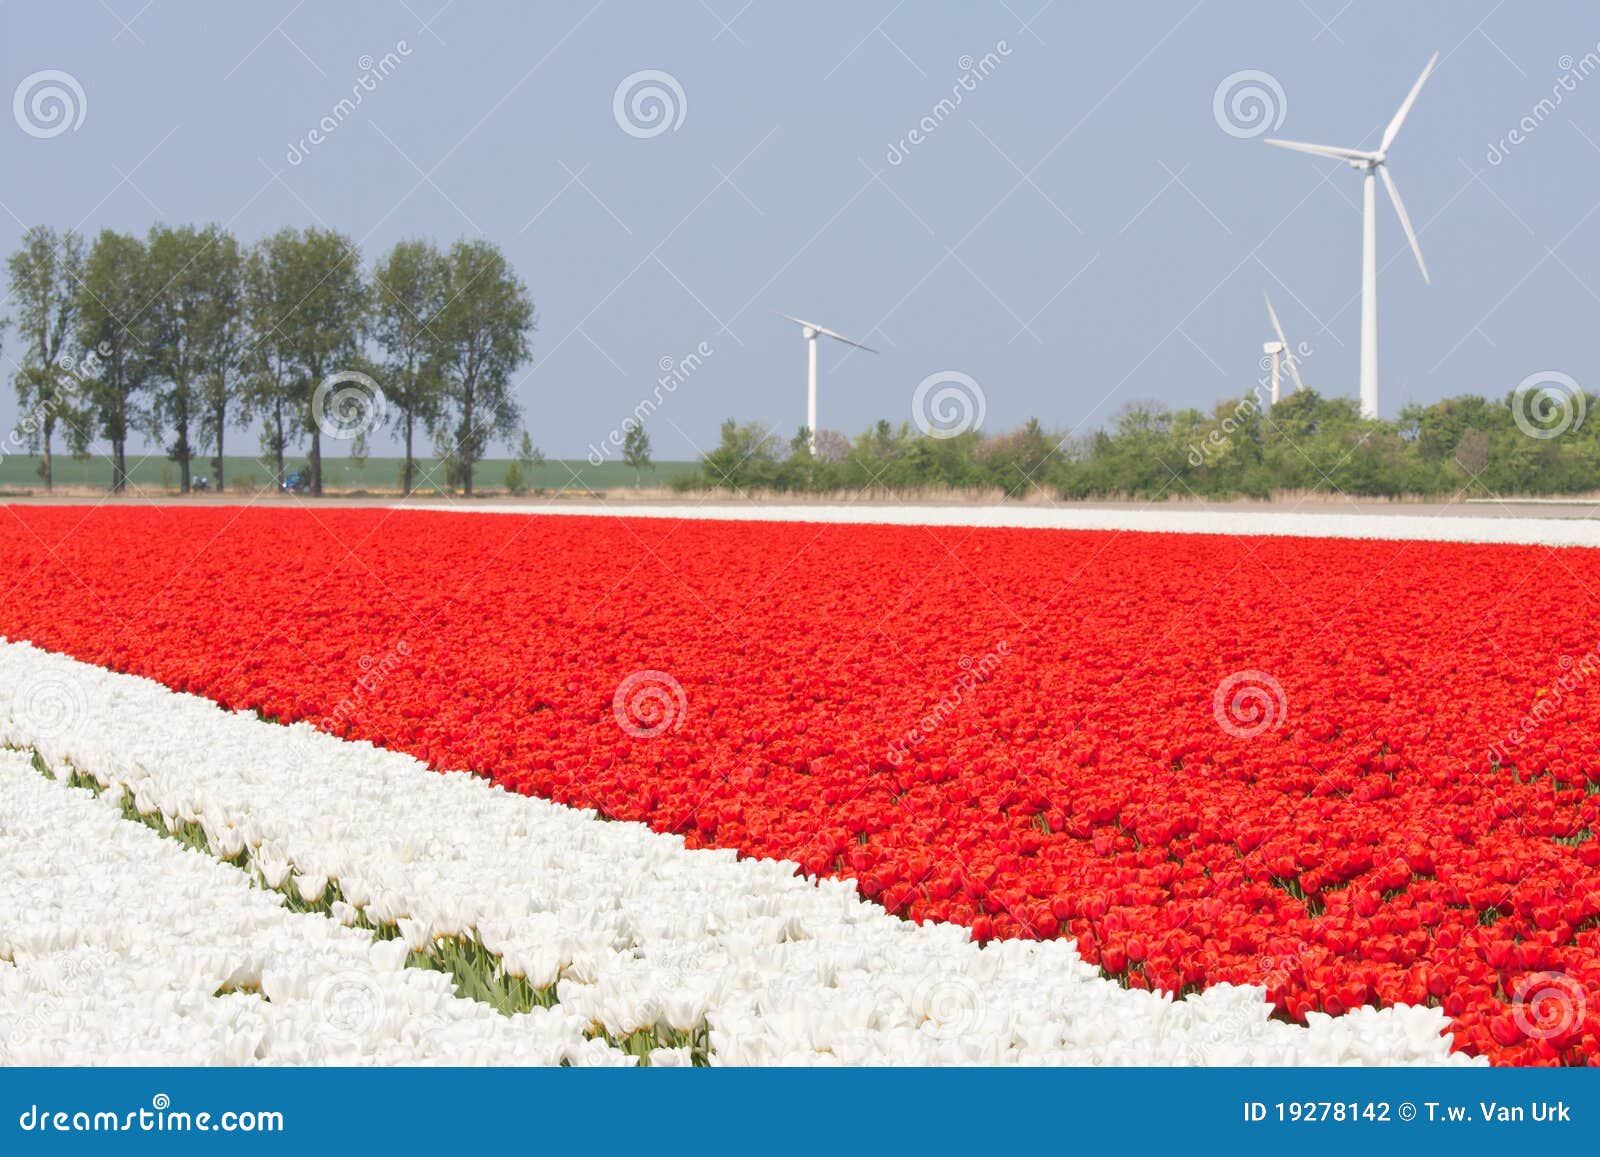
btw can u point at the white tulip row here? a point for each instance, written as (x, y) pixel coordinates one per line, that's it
(120, 947)
(1388, 522)
(634, 930)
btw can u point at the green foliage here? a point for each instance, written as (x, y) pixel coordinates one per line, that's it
(43, 276)
(111, 331)
(322, 331)
(409, 293)
(177, 317)
(636, 449)
(1459, 447)
(484, 330)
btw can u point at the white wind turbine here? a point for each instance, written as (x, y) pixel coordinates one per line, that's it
(810, 330)
(1282, 353)
(1373, 165)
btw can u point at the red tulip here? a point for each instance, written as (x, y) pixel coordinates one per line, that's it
(1384, 832)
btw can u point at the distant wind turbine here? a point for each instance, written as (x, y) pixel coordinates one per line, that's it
(1282, 353)
(1373, 165)
(810, 330)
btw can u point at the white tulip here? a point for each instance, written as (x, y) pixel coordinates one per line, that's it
(630, 927)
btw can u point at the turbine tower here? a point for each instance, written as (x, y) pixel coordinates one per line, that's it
(1373, 165)
(1282, 353)
(810, 330)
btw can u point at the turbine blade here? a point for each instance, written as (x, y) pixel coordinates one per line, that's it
(1405, 221)
(1288, 351)
(1273, 314)
(1292, 363)
(1333, 151)
(1393, 130)
(825, 330)
(841, 337)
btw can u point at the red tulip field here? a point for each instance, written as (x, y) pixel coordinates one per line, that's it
(1355, 772)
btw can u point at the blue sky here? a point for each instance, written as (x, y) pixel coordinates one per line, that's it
(1079, 232)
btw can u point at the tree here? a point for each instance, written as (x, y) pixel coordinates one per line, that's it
(519, 473)
(44, 277)
(830, 446)
(485, 328)
(268, 360)
(222, 339)
(179, 315)
(111, 307)
(322, 330)
(636, 449)
(528, 454)
(408, 295)
(745, 457)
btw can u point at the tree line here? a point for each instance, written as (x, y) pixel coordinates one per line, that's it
(1531, 442)
(185, 333)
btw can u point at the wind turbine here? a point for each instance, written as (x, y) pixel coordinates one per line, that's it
(1281, 352)
(810, 330)
(1373, 165)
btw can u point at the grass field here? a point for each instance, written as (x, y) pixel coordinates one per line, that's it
(156, 473)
